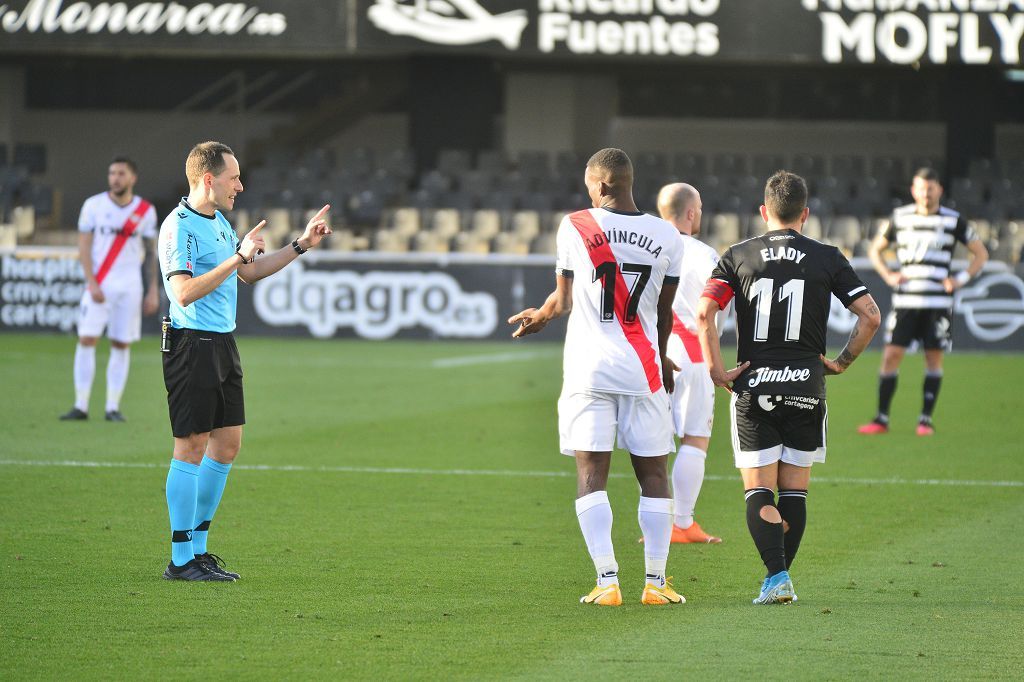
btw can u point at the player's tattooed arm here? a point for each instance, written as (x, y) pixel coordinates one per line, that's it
(868, 320)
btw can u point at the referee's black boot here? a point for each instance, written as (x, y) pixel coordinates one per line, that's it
(115, 416)
(216, 564)
(74, 415)
(195, 570)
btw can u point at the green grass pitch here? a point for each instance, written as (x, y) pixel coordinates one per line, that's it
(357, 562)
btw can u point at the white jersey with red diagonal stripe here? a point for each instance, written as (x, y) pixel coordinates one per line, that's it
(699, 260)
(105, 219)
(619, 263)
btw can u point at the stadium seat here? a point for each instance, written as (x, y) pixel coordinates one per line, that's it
(24, 220)
(729, 165)
(431, 242)
(766, 164)
(689, 167)
(888, 170)
(390, 242)
(8, 236)
(812, 227)
(404, 221)
(485, 223)
(845, 231)
(725, 227)
(510, 243)
(445, 223)
(359, 161)
(453, 162)
(526, 224)
(467, 242)
(476, 183)
(570, 165)
(653, 166)
(543, 243)
(848, 167)
(809, 166)
(983, 228)
(535, 164)
(342, 240)
(492, 161)
(399, 163)
(31, 157)
(437, 182)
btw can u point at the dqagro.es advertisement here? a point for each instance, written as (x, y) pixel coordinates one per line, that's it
(381, 297)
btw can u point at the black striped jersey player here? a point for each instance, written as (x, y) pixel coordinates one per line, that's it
(925, 235)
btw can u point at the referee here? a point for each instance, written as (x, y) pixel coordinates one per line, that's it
(201, 260)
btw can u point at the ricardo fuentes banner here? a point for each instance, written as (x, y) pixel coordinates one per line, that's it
(427, 296)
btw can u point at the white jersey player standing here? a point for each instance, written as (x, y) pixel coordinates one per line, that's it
(693, 401)
(116, 233)
(616, 271)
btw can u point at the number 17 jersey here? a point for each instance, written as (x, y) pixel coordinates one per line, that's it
(783, 283)
(619, 263)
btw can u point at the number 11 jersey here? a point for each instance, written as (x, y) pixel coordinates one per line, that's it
(783, 283)
(619, 263)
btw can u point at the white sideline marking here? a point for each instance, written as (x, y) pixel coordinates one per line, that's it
(491, 472)
(492, 358)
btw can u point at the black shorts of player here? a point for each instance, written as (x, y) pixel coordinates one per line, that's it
(931, 326)
(203, 376)
(762, 422)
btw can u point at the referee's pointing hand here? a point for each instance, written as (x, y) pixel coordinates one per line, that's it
(253, 243)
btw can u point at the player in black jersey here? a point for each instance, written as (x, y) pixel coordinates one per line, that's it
(925, 234)
(783, 283)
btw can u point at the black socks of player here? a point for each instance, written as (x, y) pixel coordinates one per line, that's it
(886, 390)
(793, 509)
(932, 384)
(768, 537)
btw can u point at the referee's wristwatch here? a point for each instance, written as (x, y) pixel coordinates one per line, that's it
(238, 252)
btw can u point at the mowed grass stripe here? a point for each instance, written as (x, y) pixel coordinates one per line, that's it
(513, 473)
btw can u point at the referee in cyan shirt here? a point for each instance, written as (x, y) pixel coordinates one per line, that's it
(200, 258)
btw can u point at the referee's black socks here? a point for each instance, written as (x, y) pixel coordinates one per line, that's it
(768, 537)
(793, 508)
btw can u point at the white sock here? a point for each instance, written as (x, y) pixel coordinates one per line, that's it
(595, 516)
(85, 370)
(655, 514)
(687, 478)
(117, 376)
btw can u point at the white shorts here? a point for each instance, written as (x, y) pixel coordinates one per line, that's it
(120, 315)
(590, 420)
(693, 400)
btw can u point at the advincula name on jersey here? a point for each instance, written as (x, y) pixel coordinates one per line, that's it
(614, 236)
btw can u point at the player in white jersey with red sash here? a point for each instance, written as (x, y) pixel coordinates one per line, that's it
(116, 233)
(693, 401)
(616, 271)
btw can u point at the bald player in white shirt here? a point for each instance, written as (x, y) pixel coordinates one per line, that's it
(693, 401)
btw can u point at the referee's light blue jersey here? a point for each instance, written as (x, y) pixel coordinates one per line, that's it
(193, 244)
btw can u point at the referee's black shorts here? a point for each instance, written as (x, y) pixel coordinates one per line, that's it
(203, 376)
